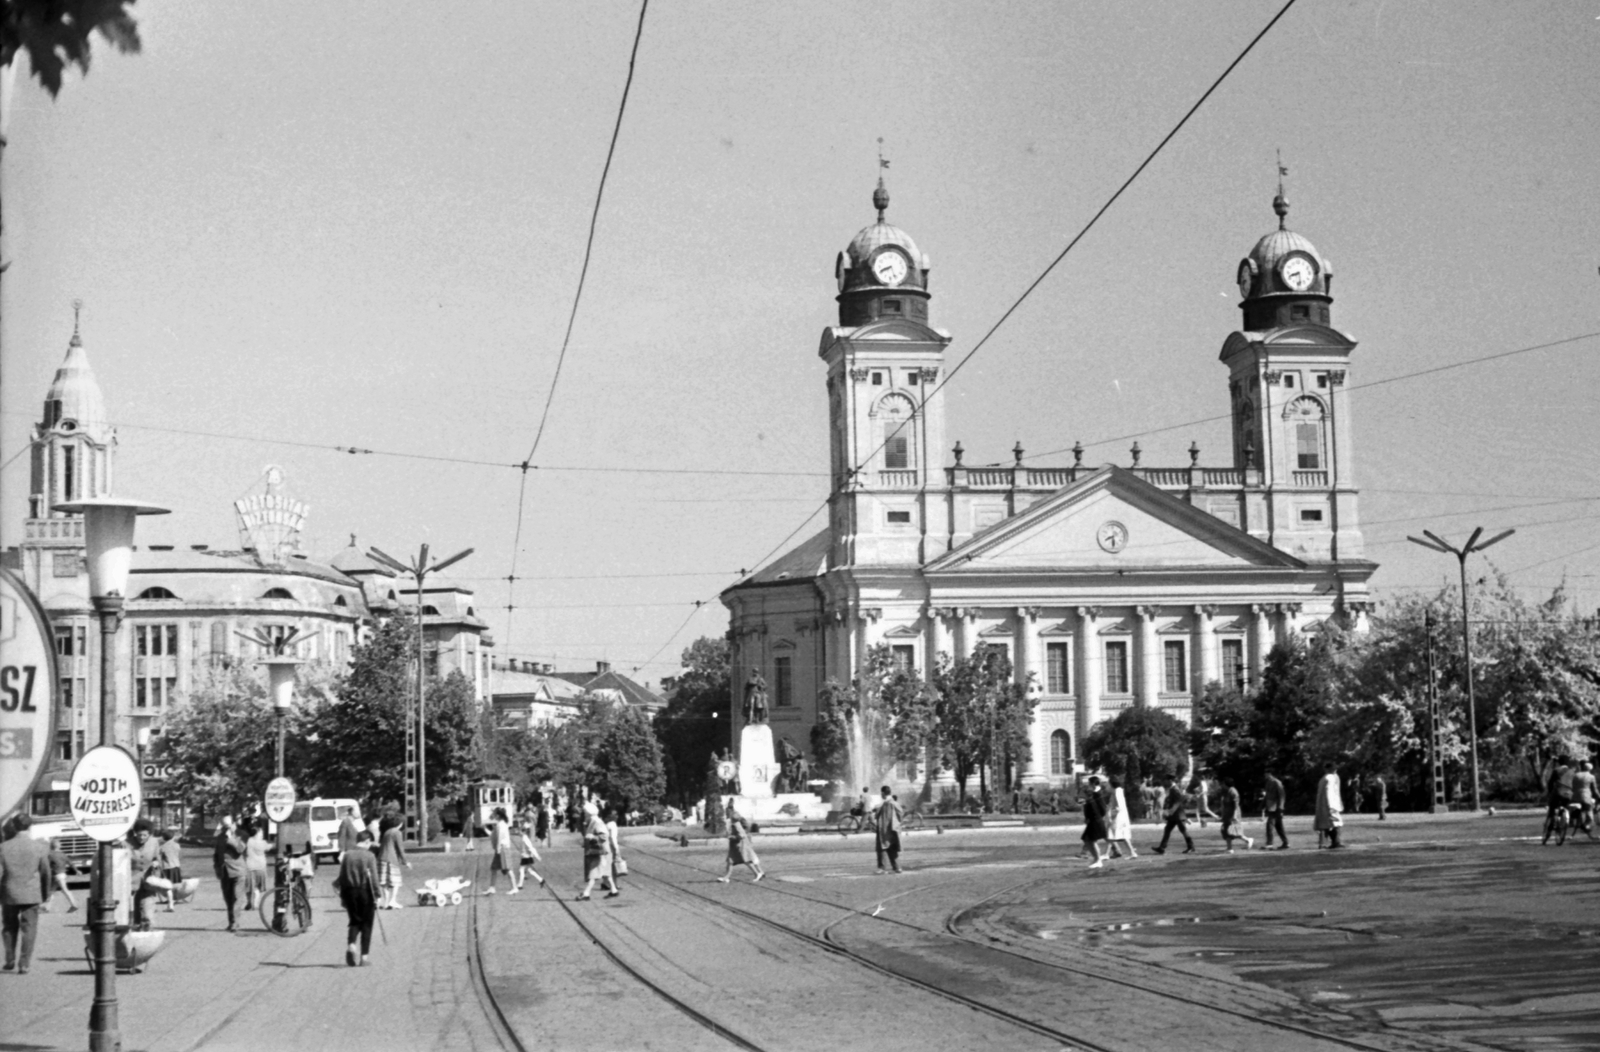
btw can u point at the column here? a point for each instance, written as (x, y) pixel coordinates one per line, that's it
(1089, 674)
(1258, 644)
(838, 647)
(1147, 674)
(938, 638)
(965, 631)
(1204, 641)
(1031, 678)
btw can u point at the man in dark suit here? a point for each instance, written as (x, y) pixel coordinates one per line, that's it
(227, 860)
(1177, 816)
(24, 886)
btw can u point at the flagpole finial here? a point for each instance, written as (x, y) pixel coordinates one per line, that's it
(77, 309)
(880, 196)
(1280, 204)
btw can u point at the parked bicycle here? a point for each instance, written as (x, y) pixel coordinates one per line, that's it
(286, 908)
(855, 823)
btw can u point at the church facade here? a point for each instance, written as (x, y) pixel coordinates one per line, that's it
(1109, 586)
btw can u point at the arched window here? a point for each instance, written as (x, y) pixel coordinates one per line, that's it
(892, 418)
(156, 592)
(430, 611)
(1247, 435)
(277, 593)
(1060, 752)
(1303, 417)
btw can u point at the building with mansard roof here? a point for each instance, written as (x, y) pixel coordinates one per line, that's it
(1109, 586)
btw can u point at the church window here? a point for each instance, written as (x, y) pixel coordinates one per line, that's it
(1305, 417)
(1117, 667)
(1233, 664)
(1288, 379)
(1322, 381)
(1299, 312)
(877, 378)
(896, 452)
(905, 657)
(65, 564)
(1060, 752)
(783, 681)
(899, 518)
(219, 641)
(1176, 680)
(1310, 514)
(891, 306)
(911, 378)
(1057, 670)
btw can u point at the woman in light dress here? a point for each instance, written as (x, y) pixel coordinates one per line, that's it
(1120, 831)
(1330, 807)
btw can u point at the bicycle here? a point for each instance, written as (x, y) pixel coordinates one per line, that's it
(854, 823)
(1556, 823)
(286, 908)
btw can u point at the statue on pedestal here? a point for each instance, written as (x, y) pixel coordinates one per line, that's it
(755, 698)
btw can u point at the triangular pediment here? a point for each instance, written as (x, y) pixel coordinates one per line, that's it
(1108, 521)
(903, 632)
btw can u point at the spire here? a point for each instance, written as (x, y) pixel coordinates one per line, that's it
(1280, 204)
(880, 196)
(77, 309)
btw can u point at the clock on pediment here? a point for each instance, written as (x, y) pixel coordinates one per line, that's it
(1112, 536)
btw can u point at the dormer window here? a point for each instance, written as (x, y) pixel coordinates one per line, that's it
(156, 592)
(277, 593)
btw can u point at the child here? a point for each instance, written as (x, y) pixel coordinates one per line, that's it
(171, 865)
(522, 845)
(60, 866)
(358, 893)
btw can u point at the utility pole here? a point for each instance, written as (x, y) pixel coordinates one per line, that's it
(1435, 758)
(416, 721)
(1436, 543)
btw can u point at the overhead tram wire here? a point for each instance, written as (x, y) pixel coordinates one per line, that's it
(572, 317)
(1017, 303)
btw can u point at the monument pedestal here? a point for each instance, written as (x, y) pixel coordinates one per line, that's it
(758, 769)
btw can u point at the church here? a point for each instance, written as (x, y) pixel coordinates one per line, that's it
(1109, 586)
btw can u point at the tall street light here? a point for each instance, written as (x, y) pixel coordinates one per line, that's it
(280, 687)
(1434, 542)
(108, 542)
(419, 569)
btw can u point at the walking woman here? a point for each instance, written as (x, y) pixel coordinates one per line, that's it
(500, 850)
(358, 893)
(522, 845)
(391, 856)
(541, 825)
(741, 851)
(596, 854)
(255, 859)
(1232, 815)
(1120, 831)
(1094, 822)
(1330, 806)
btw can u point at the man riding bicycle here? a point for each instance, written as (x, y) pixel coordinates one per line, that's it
(1559, 787)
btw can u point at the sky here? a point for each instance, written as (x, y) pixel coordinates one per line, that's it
(304, 225)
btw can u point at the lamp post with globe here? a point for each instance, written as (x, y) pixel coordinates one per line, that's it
(108, 525)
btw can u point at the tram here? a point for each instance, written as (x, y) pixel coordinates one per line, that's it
(484, 797)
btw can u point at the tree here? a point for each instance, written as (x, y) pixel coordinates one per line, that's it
(982, 714)
(697, 721)
(830, 735)
(1138, 742)
(626, 768)
(55, 34)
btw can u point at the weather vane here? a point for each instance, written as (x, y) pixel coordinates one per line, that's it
(1280, 204)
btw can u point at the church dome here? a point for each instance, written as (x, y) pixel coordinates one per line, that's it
(1284, 263)
(1276, 246)
(879, 234)
(74, 401)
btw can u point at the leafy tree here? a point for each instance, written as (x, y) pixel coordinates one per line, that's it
(1138, 742)
(830, 735)
(626, 768)
(55, 34)
(982, 715)
(697, 720)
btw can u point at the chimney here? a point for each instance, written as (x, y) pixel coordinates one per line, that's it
(602, 667)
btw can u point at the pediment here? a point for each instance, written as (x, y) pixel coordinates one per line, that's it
(1308, 336)
(1111, 521)
(903, 632)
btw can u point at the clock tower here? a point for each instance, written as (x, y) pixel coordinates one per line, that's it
(1288, 378)
(885, 410)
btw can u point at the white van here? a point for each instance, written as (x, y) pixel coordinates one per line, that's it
(325, 817)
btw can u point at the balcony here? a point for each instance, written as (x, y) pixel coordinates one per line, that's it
(898, 479)
(1310, 478)
(54, 530)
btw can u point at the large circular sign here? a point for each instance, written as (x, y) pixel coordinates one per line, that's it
(279, 799)
(727, 770)
(105, 793)
(27, 693)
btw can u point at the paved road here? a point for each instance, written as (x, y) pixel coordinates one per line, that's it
(1428, 933)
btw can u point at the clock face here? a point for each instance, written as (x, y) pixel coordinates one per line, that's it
(1298, 273)
(889, 268)
(1245, 278)
(1113, 536)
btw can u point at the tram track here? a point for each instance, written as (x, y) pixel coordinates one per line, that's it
(828, 938)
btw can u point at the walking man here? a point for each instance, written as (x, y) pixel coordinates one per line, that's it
(1272, 802)
(1330, 805)
(1559, 785)
(1201, 788)
(1380, 796)
(24, 887)
(227, 861)
(1232, 816)
(887, 820)
(1583, 794)
(1173, 810)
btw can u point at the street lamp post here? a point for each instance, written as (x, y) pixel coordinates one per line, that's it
(416, 723)
(108, 542)
(1434, 542)
(280, 678)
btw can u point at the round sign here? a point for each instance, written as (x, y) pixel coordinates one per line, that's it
(105, 793)
(279, 799)
(726, 770)
(28, 704)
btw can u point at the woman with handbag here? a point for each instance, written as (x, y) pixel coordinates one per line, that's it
(619, 865)
(740, 849)
(596, 854)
